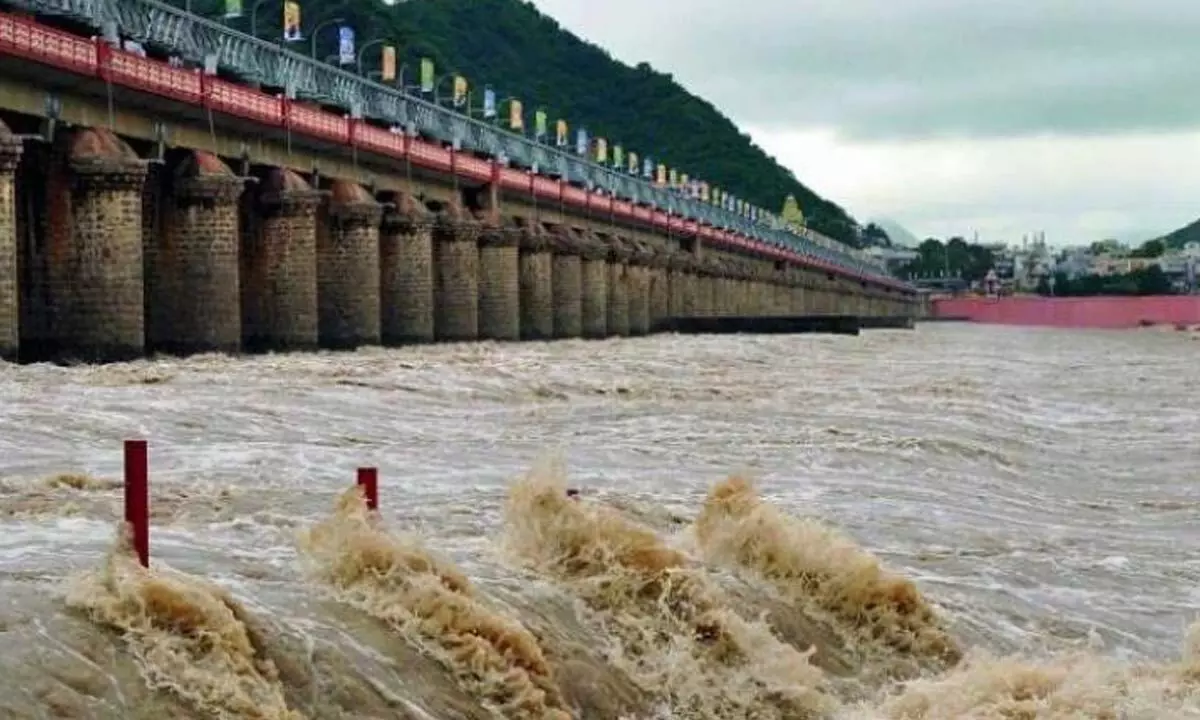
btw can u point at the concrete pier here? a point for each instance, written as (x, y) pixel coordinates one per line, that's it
(536, 283)
(456, 274)
(192, 275)
(348, 274)
(567, 282)
(499, 281)
(10, 292)
(406, 272)
(95, 277)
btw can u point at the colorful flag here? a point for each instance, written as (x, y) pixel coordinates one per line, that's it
(460, 91)
(539, 124)
(426, 75)
(388, 64)
(233, 8)
(516, 115)
(561, 133)
(346, 45)
(489, 103)
(291, 21)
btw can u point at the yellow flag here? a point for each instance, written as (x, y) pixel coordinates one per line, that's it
(601, 150)
(426, 75)
(460, 90)
(388, 70)
(291, 21)
(516, 118)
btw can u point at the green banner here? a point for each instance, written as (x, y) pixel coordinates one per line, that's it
(426, 75)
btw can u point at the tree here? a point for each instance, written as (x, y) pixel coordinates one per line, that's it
(1153, 281)
(519, 52)
(873, 235)
(1150, 249)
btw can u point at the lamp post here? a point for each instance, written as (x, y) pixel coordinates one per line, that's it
(362, 51)
(254, 16)
(499, 119)
(317, 30)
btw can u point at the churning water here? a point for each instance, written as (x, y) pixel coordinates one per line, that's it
(957, 522)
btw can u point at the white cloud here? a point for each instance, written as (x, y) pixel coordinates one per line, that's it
(1076, 189)
(951, 116)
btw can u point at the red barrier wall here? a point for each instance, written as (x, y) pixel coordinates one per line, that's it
(1082, 312)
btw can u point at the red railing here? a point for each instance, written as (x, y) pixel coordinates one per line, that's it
(126, 68)
(546, 188)
(473, 167)
(317, 123)
(514, 179)
(28, 39)
(238, 101)
(378, 140)
(430, 155)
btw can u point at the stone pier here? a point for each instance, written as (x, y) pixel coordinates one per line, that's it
(192, 276)
(96, 274)
(660, 287)
(10, 291)
(619, 254)
(677, 282)
(640, 259)
(567, 283)
(536, 283)
(595, 288)
(499, 281)
(796, 279)
(348, 274)
(406, 272)
(456, 275)
(706, 286)
(279, 272)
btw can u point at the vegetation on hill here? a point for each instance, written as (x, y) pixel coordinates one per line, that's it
(954, 258)
(1184, 235)
(521, 53)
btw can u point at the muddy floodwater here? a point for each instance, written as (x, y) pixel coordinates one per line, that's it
(955, 522)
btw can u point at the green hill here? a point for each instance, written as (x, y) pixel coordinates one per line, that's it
(1184, 235)
(511, 46)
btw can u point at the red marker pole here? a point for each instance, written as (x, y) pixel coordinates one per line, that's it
(368, 480)
(137, 498)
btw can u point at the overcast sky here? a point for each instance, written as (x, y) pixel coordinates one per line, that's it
(1080, 118)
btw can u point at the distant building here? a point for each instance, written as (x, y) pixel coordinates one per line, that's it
(893, 258)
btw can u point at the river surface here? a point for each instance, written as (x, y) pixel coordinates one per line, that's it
(1039, 488)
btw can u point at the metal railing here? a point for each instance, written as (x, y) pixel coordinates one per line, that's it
(199, 39)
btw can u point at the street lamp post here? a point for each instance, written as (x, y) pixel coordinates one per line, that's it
(254, 16)
(362, 51)
(317, 31)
